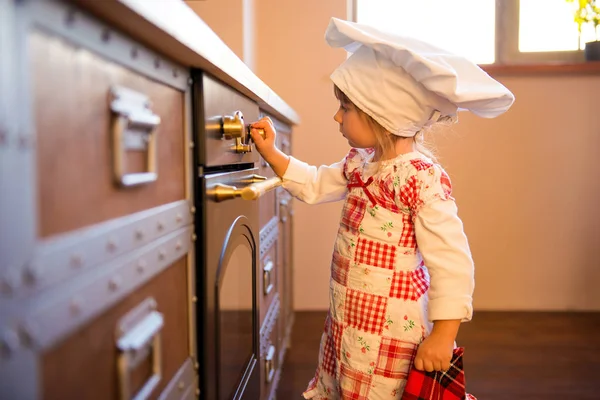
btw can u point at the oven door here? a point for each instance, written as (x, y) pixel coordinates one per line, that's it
(228, 255)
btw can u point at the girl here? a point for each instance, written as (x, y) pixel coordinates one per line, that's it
(401, 272)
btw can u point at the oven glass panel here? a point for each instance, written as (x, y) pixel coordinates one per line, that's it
(236, 317)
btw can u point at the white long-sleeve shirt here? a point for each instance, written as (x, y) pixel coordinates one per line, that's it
(413, 195)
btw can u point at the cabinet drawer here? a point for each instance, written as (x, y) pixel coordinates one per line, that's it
(269, 351)
(137, 344)
(267, 206)
(101, 128)
(268, 271)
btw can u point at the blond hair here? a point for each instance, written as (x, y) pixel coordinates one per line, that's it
(386, 141)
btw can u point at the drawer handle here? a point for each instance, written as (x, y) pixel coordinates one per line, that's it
(283, 210)
(221, 192)
(133, 129)
(267, 271)
(270, 364)
(138, 338)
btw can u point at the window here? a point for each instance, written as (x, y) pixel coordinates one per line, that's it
(448, 24)
(486, 31)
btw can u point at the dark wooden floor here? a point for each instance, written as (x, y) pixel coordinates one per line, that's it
(508, 355)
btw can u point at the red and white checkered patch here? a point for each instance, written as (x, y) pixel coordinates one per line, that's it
(329, 359)
(376, 254)
(395, 358)
(409, 285)
(421, 165)
(364, 311)
(352, 154)
(446, 184)
(327, 327)
(409, 194)
(353, 213)
(354, 384)
(339, 268)
(407, 238)
(337, 329)
(420, 282)
(312, 385)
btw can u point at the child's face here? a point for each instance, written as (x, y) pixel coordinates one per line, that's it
(354, 127)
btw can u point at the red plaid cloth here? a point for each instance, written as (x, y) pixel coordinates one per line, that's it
(449, 385)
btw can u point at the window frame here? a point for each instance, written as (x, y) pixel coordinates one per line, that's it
(506, 50)
(507, 41)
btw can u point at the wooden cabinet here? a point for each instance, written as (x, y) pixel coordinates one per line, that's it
(100, 304)
(99, 276)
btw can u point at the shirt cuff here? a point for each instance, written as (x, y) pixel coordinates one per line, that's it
(455, 308)
(297, 171)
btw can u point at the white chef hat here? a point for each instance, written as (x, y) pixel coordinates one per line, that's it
(405, 84)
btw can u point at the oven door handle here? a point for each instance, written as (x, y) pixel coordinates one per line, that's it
(221, 192)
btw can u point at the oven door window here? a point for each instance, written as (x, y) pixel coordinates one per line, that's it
(236, 317)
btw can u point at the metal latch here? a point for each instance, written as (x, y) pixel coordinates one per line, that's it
(133, 128)
(138, 337)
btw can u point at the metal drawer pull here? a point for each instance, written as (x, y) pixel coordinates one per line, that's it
(267, 271)
(133, 128)
(283, 208)
(254, 191)
(139, 338)
(270, 364)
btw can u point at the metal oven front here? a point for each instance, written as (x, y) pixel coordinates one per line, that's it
(227, 242)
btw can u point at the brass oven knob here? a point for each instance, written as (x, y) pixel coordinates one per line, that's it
(233, 127)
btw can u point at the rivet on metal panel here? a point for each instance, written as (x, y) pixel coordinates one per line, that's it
(139, 234)
(76, 306)
(111, 245)
(160, 225)
(194, 237)
(105, 35)
(196, 366)
(191, 145)
(181, 385)
(30, 274)
(76, 260)
(7, 284)
(114, 283)
(194, 299)
(70, 18)
(178, 218)
(24, 142)
(193, 210)
(141, 266)
(27, 333)
(178, 245)
(161, 254)
(9, 343)
(197, 392)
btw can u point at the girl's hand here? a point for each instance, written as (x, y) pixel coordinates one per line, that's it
(265, 146)
(434, 353)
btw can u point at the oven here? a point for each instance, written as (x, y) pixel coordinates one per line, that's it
(227, 243)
